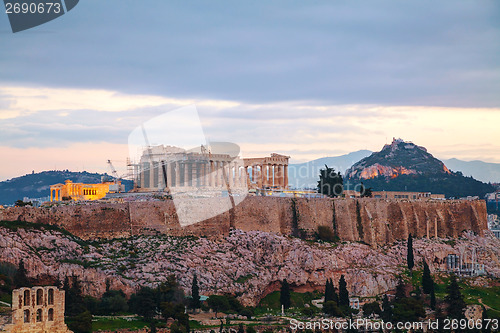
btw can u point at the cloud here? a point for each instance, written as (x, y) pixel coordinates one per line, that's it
(302, 130)
(380, 52)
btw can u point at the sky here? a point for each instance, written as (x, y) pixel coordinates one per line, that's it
(304, 78)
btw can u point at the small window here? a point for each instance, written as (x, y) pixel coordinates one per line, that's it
(26, 298)
(51, 297)
(51, 315)
(39, 297)
(39, 315)
(26, 316)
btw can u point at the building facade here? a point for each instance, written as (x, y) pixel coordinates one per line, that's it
(80, 191)
(406, 195)
(37, 310)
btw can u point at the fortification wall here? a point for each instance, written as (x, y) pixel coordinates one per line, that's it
(374, 221)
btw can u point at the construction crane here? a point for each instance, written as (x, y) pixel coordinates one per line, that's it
(115, 175)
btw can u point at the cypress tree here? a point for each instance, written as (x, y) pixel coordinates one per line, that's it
(343, 293)
(427, 282)
(335, 296)
(386, 309)
(21, 277)
(400, 290)
(195, 294)
(455, 299)
(285, 294)
(433, 298)
(328, 293)
(359, 222)
(409, 254)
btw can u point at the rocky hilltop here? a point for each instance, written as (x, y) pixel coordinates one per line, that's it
(404, 166)
(248, 264)
(398, 158)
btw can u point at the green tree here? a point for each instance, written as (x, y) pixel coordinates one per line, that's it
(371, 308)
(329, 291)
(81, 323)
(113, 302)
(409, 253)
(427, 282)
(454, 299)
(400, 290)
(365, 192)
(21, 278)
(247, 312)
(343, 293)
(169, 291)
(359, 222)
(143, 303)
(75, 304)
(195, 294)
(433, 297)
(285, 294)
(250, 329)
(386, 309)
(218, 303)
(331, 308)
(20, 203)
(167, 310)
(330, 183)
(241, 329)
(408, 309)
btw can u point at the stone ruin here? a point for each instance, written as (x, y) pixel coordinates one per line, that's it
(37, 310)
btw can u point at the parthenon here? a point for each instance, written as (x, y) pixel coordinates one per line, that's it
(170, 167)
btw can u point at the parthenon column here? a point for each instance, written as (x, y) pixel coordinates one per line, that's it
(151, 174)
(211, 174)
(286, 176)
(161, 178)
(217, 173)
(245, 174)
(185, 173)
(168, 169)
(280, 176)
(177, 168)
(236, 175)
(264, 176)
(230, 167)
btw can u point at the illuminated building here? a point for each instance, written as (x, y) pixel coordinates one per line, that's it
(80, 191)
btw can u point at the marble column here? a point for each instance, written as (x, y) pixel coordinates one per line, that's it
(211, 174)
(285, 176)
(168, 169)
(178, 174)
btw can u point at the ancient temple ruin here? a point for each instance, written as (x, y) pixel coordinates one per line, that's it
(167, 167)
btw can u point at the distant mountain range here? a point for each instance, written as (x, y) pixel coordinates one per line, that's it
(485, 172)
(37, 185)
(305, 175)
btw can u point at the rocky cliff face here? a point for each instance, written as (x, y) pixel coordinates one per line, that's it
(373, 221)
(249, 264)
(398, 158)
